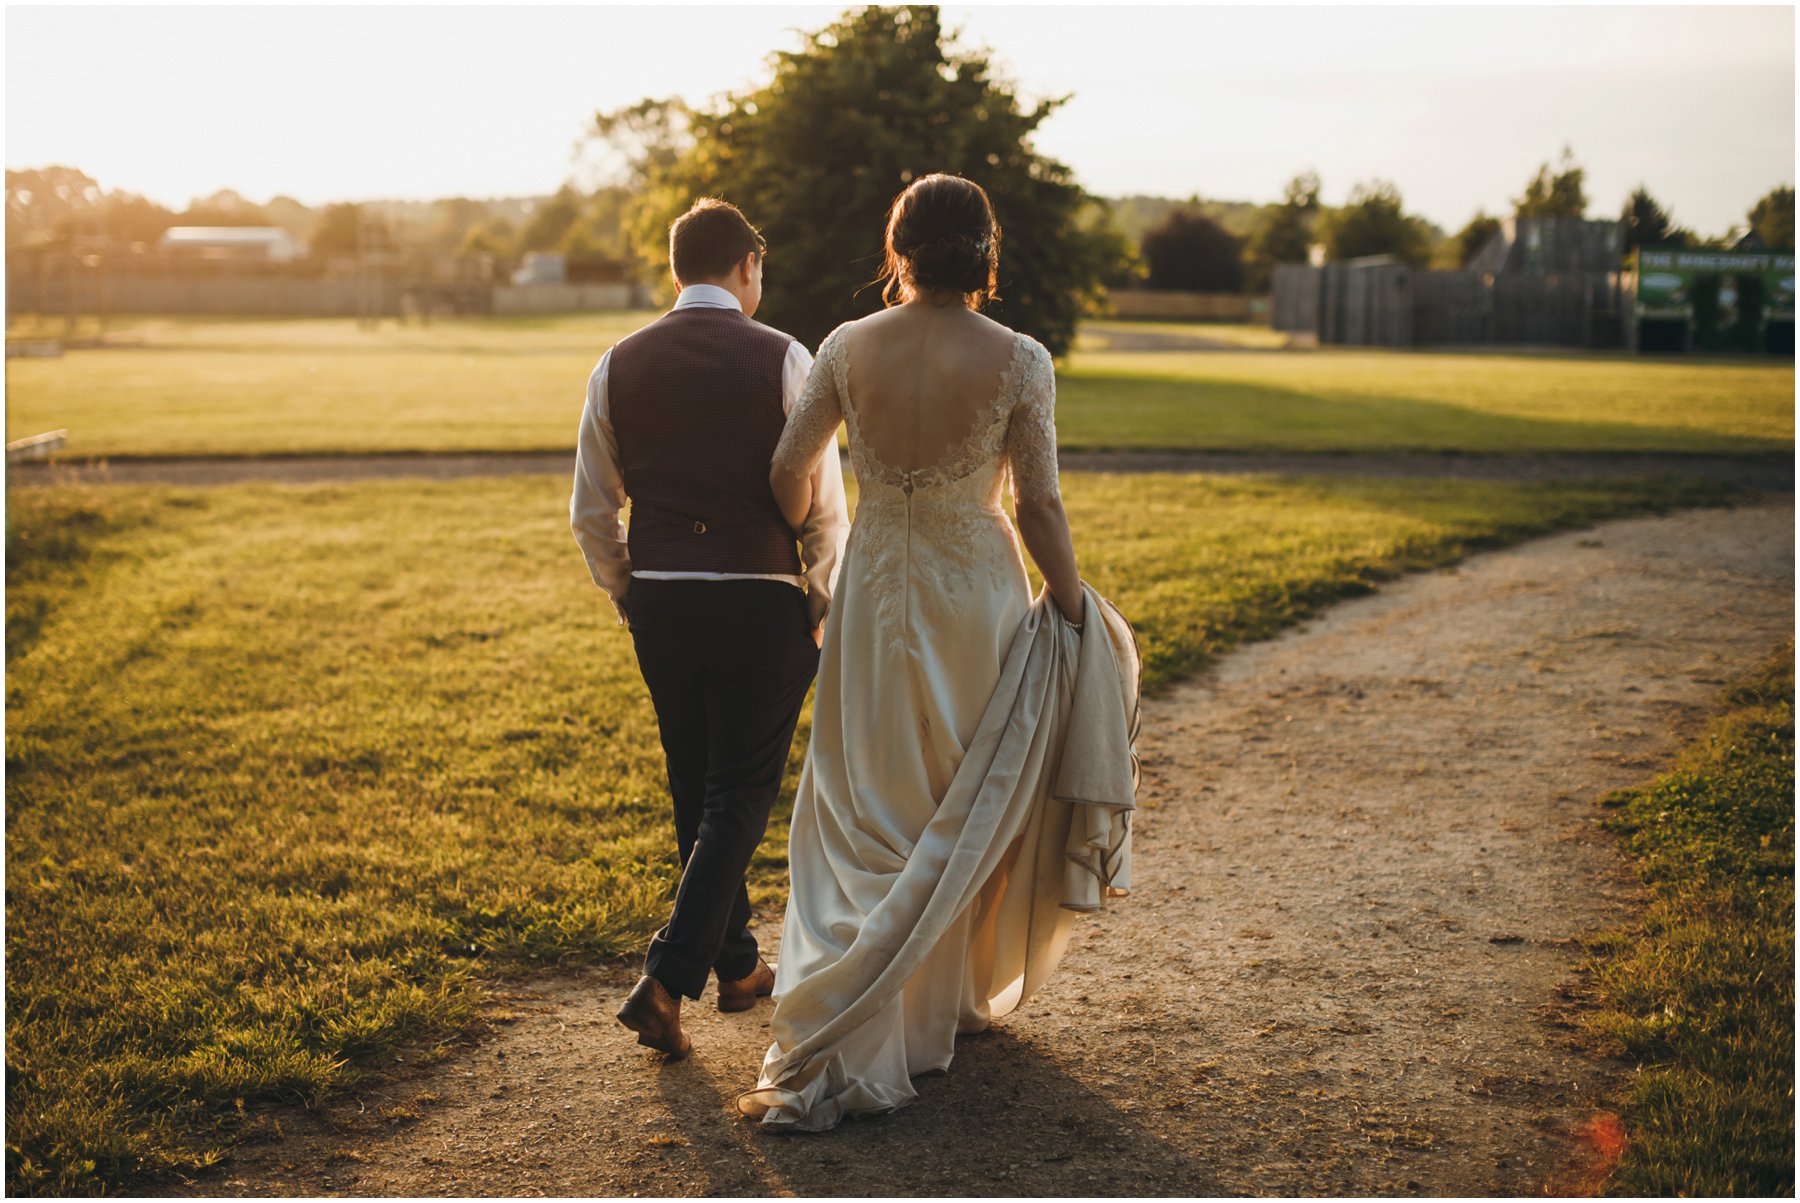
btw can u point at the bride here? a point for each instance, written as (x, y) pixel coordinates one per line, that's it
(947, 826)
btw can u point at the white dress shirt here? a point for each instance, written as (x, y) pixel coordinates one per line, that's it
(599, 494)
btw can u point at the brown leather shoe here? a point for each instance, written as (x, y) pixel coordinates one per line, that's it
(742, 994)
(655, 1015)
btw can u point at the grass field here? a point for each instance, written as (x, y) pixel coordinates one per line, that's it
(214, 387)
(1702, 998)
(290, 769)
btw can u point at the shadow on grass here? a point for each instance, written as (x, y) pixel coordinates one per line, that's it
(53, 541)
(1119, 411)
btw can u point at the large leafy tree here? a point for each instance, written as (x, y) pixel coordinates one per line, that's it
(1773, 219)
(1192, 252)
(1555, 192)
(815, 156)
(1375, 222)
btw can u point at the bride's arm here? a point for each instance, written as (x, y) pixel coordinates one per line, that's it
(1037, 495)
(811, 428)
(1044, 530)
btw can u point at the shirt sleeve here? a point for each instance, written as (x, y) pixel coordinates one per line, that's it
(1031, 435)
(599, 495)
(828, 522)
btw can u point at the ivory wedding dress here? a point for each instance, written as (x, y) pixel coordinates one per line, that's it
(933, 876)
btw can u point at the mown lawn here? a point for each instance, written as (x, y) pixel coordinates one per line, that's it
(1367, 400)
(212, 387)
(1702, 996)
(291, 769)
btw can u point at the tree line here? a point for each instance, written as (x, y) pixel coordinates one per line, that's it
(815, 154)
(1192, 249)
(63, 206)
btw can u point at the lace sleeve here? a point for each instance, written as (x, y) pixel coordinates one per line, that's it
(813, 424)
(1031, 434)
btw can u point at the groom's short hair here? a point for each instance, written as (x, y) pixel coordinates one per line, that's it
(709, 240)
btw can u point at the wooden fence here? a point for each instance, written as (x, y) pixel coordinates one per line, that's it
(277, 296)
(1385, 304)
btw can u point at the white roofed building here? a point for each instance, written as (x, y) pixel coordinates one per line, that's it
(231, 244)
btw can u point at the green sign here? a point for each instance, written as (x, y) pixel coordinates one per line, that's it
(1665, 281)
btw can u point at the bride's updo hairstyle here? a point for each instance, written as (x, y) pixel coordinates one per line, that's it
(941, 238)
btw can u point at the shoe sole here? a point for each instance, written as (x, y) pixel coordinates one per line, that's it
(658, 1040)
(674, 1054)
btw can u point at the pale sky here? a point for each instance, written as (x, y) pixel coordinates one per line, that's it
(1457, 106)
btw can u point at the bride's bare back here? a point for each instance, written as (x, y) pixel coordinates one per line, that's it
(924, 378)
(931, 393)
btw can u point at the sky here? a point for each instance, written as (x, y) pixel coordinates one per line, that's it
(1457, 106)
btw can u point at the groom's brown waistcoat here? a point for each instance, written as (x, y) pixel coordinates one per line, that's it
(695, 403)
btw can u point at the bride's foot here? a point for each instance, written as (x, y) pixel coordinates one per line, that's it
(742, 994)
(655, 1015)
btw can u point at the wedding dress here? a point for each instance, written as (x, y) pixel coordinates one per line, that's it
(936, 858)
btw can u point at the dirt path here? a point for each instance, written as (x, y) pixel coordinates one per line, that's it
(1365, 852)
(1759, 471)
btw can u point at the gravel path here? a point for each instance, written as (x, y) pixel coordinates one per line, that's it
(1759, 471)
(1365, 853)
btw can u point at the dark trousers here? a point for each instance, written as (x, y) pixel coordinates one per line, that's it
(728, 664)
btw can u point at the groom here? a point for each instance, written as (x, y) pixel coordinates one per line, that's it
(682, 419)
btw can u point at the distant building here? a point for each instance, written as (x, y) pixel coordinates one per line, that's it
(231, 244)
(541, 267)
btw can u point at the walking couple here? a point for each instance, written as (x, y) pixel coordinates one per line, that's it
(970, 777)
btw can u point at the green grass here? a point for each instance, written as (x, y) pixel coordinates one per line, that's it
(192, 387)
(290, 770)
(1702, 997)
(1351, 400)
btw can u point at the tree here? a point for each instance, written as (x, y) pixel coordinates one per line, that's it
(123, 218)
(1192, 252)
(551, 221)
(345, 229)
(1375, 222)
(40, 202)
(1099, 221)
(456, 217)
(641, 139)
(1555, 194)
(495, 239)
(1647, 223)
(815, 157)
(1468, 242)
(1773, 219)
(1285, 234)
(223, 208)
